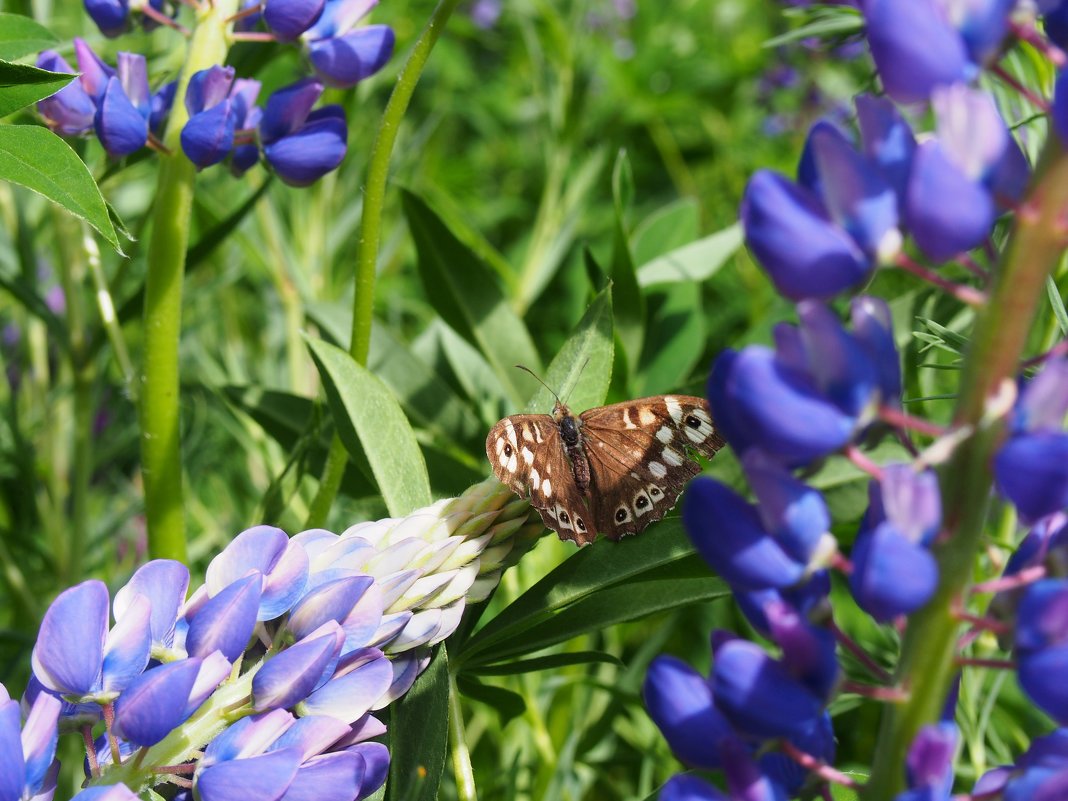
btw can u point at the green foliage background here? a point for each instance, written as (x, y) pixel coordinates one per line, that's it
(571, 143)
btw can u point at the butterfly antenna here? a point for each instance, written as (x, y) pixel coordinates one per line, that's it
(536, 378)
(572, 389)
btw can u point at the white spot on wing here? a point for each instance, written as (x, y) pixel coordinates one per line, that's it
(528, 456)
(535, 479)
(672, 457)
(546, 488)
(674, 408)
(510, 429)
(665, 434)
(658, 470)
(646, 417)
(626, 419)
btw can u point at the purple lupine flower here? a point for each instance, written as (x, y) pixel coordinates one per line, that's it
(807, 398)
(75, 655)
(156, 702)
(355, 602)
(290, 676)
(282, 563)
(109, 792)
(1041, 772)
(208, 137)
(69, 111)
(343, 53)
(27, 767)
(1031, 468)
(288, 19)
(357, 684)
(164, 582)
(302, 145)
(225, 622)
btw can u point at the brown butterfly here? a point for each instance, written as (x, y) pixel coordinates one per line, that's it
(612, 469)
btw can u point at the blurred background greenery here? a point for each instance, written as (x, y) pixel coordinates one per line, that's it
(527, 111)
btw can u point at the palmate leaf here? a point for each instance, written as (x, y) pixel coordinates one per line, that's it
(369, 420)
(601, 585)
(468, 296)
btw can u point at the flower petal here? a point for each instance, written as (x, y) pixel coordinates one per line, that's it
(69, 652)
(344, 61)
(155, 703)
(226, 621)
(679, 701)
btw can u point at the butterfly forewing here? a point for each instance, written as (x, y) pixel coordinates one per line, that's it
(528, 455)
(637, 455)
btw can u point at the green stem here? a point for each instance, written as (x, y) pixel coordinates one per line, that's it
(461, 756)
(926, 666)
(374, 198)
(161, 462)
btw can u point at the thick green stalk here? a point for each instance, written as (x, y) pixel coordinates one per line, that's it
(161, 461)
(461, 755)
(927, 666)
(374, 199)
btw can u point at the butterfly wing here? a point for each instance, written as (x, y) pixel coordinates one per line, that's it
(527, 453)
(639, 457)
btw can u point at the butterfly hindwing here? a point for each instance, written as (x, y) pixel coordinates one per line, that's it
(528, 455)
(613, 468)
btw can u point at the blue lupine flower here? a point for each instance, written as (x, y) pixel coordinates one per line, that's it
(110, 16)
(162, 101)
(76, 656)
(123, 110)
(344, 61)
(247, 116)
(1042, 645)
(1031, 468)
(69, 111)
(930, 763)
(888, 142)
(893, 571)
(302, 145)
(1041, 772)
(208, 136)
(94, 72)
(288, 19)
(973, 156)
(794, 239)
(915, 48)
(679, 700)
(27, 757)
(355, 602)
(110, 792)
(807, 398)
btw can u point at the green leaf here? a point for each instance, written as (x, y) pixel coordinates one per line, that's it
(21, 85)
(696, 261)
(20, 36)
(547, 663)
(666, 229)
(36, 158)
(676, 338)
(582, 369)
(1056, 303)
(661, 555)
(629, 302)
(467, 295)
(418, 734)
(370, 421)
(824, 24)
(507, 703)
